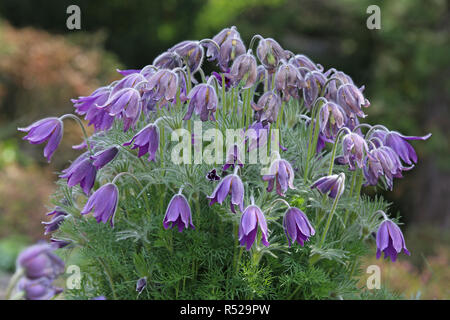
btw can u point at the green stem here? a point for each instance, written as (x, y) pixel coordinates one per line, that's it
(13, 282)
(347, 211)
(330, 216)
(83, 129)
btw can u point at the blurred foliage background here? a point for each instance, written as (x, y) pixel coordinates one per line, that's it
(405, 67)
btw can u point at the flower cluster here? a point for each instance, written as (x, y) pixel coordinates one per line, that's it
(37, 267)
(170, 88)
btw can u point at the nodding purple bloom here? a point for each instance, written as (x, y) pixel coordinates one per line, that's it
(331, 118)
(48, 129)
(98, 97)
(220, 38)
(81, 171)
(204, 101)
(270, 53)
(305, 64)
(127, 103)
(351, 99)
(141, 284)
(385, 162)
(314, 82)
(297, 226)
(353, 147)
(288, 80)
(244, 70)
(164, 84)
(267, 107)
(178, 213)
(147, 140)
(227, 78)
(102, 158)
(233, 158)
(58, 217)
(192, 52)
(230, 185)
(229, 51)
(103, 204)
(168, 60)
(39, 261)
(390, 240)
(399, 144)
(39, 289)
(333, 185)
(248, 227)
(281, 173)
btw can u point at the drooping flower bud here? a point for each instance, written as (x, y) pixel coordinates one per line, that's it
(354, 147)
(229, 51)
(147, 140)
(204, 101)
(270, 53)
(305, 64)
(230, 185)
(192, 52)
(281, 174)
(297, 226)
(178, 213)
(390, 240)
(103, 203)
(168, 60)
(248, 227)
(288, 81)
(39, 261)
(351, 99)
(82, 172)
(219, 39)
(331, 118)
(244, 70)
(267, 107)
(332, 185)
(314, 82)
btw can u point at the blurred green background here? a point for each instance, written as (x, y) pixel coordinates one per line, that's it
(405, 67)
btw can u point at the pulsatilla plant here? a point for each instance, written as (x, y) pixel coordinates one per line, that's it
(288, 223)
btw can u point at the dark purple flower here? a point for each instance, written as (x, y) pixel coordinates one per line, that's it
(230, 185)
(288, 81)
(192, 52)
(212, 175)
(102, 158)
(270, 53)
(352, 100)
(48, 129)
(281, 173)
(103, 203)
(147, 140)
(233, 158)
(333, 185)
(204, 101)
(39, 289)
(314, 82)
(82, 172)
(331, 118)
(333, 86)
(244, 70)
(390, 240)
(178, 213)
(248, 227)
(141, 284)
(229, 51)
(297, 226)
(267, 107)
(354, 147)
(39, 261)
(399, 144)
